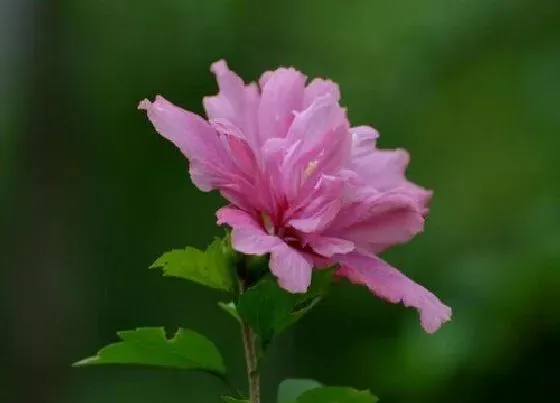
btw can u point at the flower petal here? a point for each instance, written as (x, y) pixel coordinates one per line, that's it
(247, 234)
(388, 283)
(317, 208)
(363, 140)
(317, 220)
(379, 220)
(183, 128)
(238, 148)
(292, 268)
(253, 242)
(328, 247)
(198, 141)
(235, 102)
(312, 124)
(384, 170)
(282, 94)
(319, 87)
(236, 218)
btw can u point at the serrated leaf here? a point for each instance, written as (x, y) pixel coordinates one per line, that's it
(229, 399)
(270, 310)
(290, 389)
(150, 346)
(332, 394)
(231, 309)
(210, 267)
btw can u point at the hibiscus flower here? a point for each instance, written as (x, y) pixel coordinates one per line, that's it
(303, 185)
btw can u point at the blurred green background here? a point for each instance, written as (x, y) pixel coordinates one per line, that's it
(90, 195)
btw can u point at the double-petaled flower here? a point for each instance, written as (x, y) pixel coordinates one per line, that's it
(303, 185)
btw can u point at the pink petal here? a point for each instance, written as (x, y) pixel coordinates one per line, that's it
(312, 124)
(328, 247)
(364, 133)
(319, 87)
(317, 220)
(210, 164)
(252, 100)
(247, 234)
(264, 79)
(253, 242)
(317, 143)
(317, 208)
(335, 153)
(388, 283)
(292, 268)
(238, 148)
(236, 218)
(281, 96)
(183, 128)
(384, 170)
(229, 104)
(363, 140)
(390, 228)
(379, 220)
(304, 174)
(235, 102)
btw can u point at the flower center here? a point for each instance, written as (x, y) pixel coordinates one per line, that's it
(268, 224)
(309, 169)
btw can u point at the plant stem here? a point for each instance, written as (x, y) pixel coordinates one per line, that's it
(251, 356)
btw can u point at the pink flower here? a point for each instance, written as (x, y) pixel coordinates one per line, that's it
(302, 184)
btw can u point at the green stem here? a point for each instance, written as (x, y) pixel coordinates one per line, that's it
(251, 356)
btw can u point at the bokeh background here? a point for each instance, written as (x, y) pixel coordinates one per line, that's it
(90, 195)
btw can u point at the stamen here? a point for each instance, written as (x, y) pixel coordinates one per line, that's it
(268, 224)
(309, 170)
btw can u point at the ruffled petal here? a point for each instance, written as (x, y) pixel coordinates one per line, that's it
(386, 219)
(317, 88)
(383, 169)
(230, 102)
(388, 283)
(315, 220)
(235, 102)
(327, 247)
(210, 165)
(318, 207)
(363, 140)
(317, 143)
(247, 235)
(291, 268)
(236, 218)
(282, 94)
(253, 242)
(238, 148)
(312, 124)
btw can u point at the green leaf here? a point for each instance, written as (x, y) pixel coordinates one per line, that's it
(330, 394)
(290, 389)
(319, 288)
(266, 308)
(211, 268)
(321, 282)
(229, 399)
(150, 346)
(270, 310)
(231, 309)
